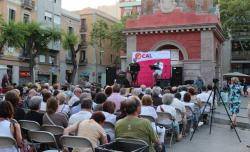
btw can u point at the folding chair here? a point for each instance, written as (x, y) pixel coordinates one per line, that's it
(190, 117)
(55, 130)
(8, 142)
(166, 120)
(43, 137)
(109, 129)
(76, 142)
(29, 125)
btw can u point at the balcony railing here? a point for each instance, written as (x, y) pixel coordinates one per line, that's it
(28, 4)
(241, 55)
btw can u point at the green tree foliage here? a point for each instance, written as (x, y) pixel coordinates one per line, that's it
(235, 15)
(11, 34)
(99, 34)
(118, 39)
(70, 41)
(31, 37)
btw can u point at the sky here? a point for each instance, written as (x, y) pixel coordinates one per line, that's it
(79, 4)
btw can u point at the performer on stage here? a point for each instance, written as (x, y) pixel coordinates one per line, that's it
(157, 74)
(134, 69)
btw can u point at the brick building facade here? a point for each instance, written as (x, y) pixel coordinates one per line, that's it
(196, 36)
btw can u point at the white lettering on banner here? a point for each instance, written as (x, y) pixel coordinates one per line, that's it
(151, 55)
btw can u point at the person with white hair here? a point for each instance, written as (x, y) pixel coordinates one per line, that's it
(77, 92)
(32, 93)
(77, 108)
(148, 91)
(167, 100)
(34, 114)
(63, 107)
(157, 100)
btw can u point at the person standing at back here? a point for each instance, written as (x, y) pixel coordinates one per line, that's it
(199, 83)
(234, 99)
(116, 97)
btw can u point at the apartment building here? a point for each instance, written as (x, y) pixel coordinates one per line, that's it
(97, 61)
(12, 60)
(51, 66)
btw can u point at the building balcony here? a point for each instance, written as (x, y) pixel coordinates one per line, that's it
(28, 4)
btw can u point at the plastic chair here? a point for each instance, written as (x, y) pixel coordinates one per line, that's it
(76, 142)
(8, 142)
(43, 137)
(29, 125)
(109, 129)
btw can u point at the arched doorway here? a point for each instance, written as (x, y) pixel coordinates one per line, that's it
(178, 55)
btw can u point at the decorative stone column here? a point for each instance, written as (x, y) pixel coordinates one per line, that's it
(207, 56)
(131, 47)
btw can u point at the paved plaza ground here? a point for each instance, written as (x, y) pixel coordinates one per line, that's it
(222, 139)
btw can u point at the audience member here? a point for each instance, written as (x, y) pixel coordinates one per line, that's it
(147, 109)
(8, 126)
(51, 117)
(134, 127)
(14, 99)
(32, 92)
(100, 98)
(167, 100)
(90, 129)
(156, 96)
(77, 92)
(46, 95)
(108, 111)
(116, 97)
(63, 107)
(121, 113)
(108, 91)
(34, 114)
(77, 104)
(84, 114)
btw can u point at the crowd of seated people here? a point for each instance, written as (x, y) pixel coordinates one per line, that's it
(84, 111)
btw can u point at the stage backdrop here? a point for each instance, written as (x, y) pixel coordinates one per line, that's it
(145, 59)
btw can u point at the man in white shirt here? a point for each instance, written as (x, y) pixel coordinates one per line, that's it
(116, 97)
(77, 92)
(204, 95)
(84, 114)
(177, 104)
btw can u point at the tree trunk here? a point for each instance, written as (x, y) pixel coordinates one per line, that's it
(31, 66)
(74, 63)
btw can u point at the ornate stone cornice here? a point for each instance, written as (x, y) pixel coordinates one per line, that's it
(177, 29)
